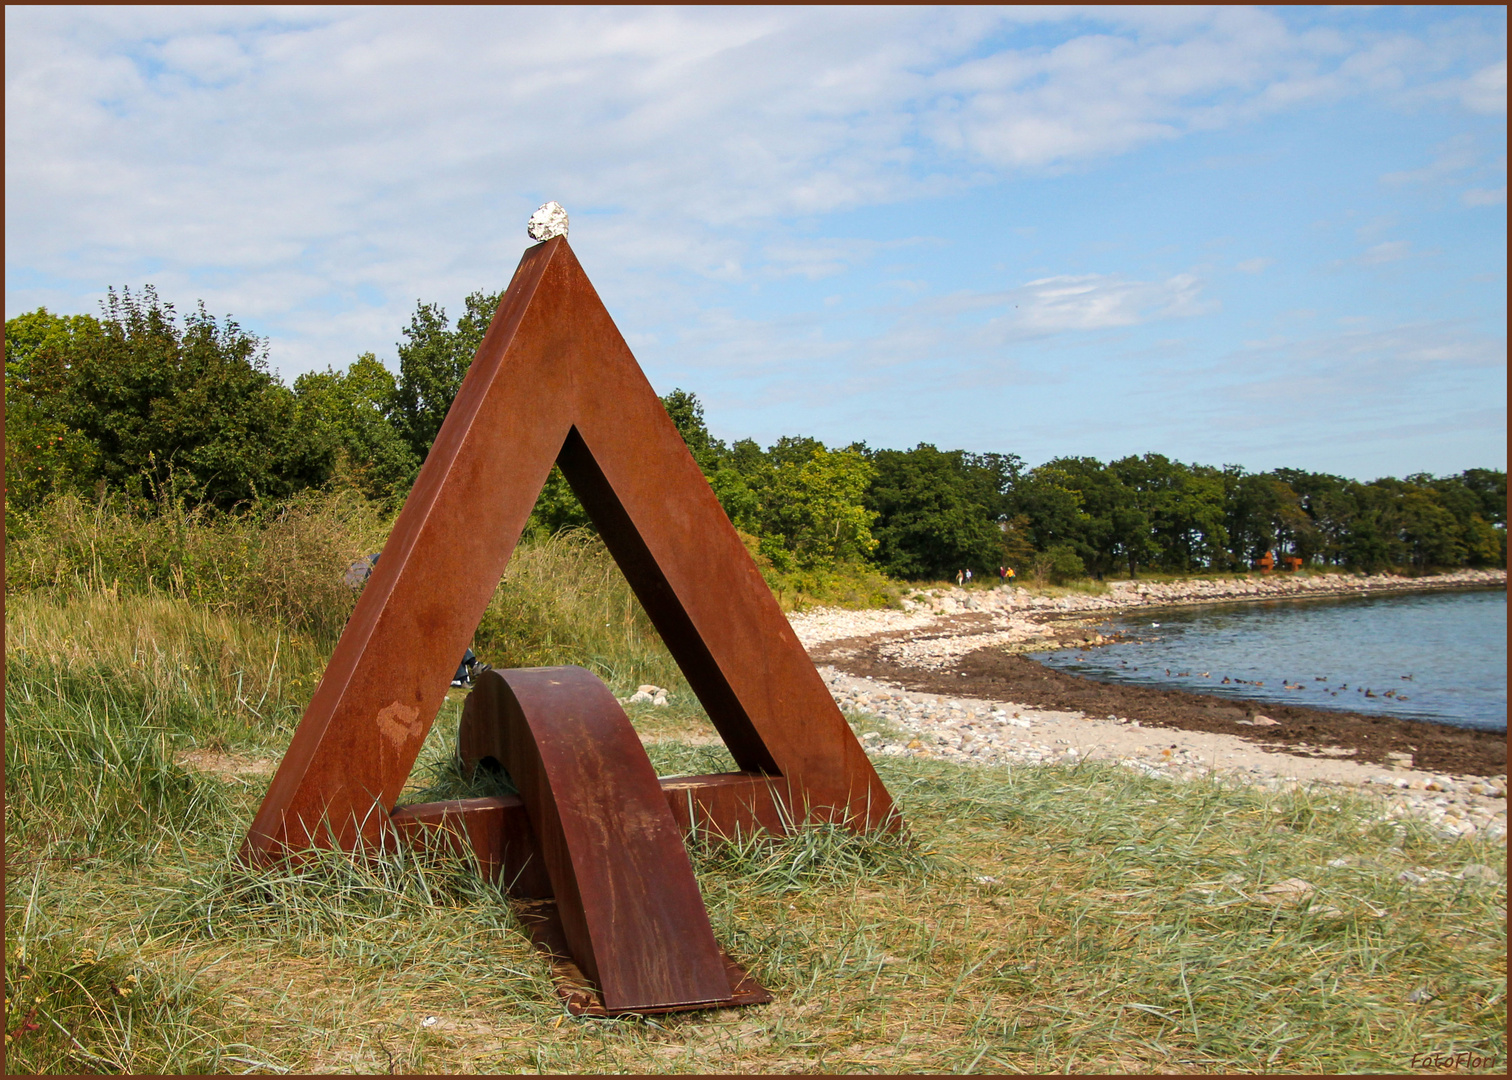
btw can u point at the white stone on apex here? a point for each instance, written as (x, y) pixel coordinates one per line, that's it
(550, 220)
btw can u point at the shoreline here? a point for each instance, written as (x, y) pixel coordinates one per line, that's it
(1129, 594)
(945, 624)
(948, 674)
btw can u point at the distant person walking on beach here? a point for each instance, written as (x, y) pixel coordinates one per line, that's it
(960, 578)
(1008, 577)
(968, 577)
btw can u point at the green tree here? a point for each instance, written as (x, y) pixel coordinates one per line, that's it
(1050, 498)
(687, 412)
(1485, 544)
(1104, 513)
(190, 408)
(1015, 547)
(1470, 496)
(933, 512)
(433, 360)
(1184, 506)
(1490, 488)
(1059, 565)
(558, 507)
(353, 407)
(43, 455)
(1429, 532)
(812, 511)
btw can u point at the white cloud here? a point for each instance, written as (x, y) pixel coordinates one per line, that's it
(1450, 160)
(910, 345)
(1486, 90)
(292, 165)
(1485, 196)
(1456, 162)
(1254, 266)
(1380, 254)
(1364, 403)
(1101, 302)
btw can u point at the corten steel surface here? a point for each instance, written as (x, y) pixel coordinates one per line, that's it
(555, 381)
(630, 908)
(582, 997)
(496, 829)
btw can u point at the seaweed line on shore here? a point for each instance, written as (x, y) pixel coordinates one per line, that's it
(950, 669)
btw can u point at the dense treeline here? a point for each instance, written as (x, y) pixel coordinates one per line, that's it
(142, 407)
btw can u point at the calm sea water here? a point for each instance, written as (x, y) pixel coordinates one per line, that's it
(1453, 645)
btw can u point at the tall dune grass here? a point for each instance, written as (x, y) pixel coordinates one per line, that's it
(282, 565)
(252, 606)
(564, 601)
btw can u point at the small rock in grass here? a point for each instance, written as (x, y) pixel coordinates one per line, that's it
(1421, 996)
(1290, 891)
(1338, 864)
(1407, 877)
(656, 695)
(1479, 872)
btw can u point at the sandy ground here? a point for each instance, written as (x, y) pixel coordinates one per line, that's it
(945, 628)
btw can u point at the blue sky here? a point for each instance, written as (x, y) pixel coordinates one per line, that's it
(1267, 237)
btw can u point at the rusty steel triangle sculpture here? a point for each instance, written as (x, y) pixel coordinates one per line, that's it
(594, 838)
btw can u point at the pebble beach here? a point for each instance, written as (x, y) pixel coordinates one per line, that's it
(938, 626)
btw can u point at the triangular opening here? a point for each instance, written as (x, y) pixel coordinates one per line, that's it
(661, 604)
(722, 713)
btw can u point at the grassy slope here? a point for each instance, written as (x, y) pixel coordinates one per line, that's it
(1036, 919)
